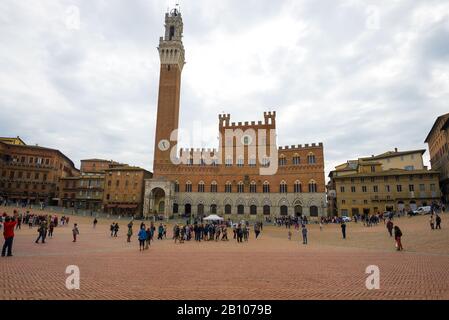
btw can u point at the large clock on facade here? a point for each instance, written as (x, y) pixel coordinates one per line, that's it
(164, 145)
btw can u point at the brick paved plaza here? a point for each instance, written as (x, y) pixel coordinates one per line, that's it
(270, 268)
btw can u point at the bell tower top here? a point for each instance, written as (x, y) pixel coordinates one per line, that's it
(171, 48)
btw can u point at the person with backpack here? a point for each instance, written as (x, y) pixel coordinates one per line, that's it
(149, 237)
(42, 232)
(142, 238)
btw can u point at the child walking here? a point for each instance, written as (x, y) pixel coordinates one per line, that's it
(75, 232)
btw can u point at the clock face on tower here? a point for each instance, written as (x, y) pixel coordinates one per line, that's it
(164, 145)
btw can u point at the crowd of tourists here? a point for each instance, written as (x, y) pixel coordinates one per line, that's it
(45, 224)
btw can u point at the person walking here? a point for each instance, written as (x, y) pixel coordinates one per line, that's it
(19, 223)
(95, 222)
(8, 234)
(257, 230)
(116, 227)
(390, 227)
(42, 232)
(438, 222)
(224, 237)
(50, 229)
(343, 229)
(397, 237)
(75, 232)
(130, 231)
(160, 232)
(432, 222)
(304, 234)
(149, 237)
(142, 238)
(112, 228)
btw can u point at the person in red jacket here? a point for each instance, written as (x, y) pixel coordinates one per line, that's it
(8, 233)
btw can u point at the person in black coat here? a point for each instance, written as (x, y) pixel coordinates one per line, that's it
(397, 237)
(343, 229)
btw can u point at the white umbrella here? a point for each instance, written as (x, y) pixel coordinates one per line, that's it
(213, 217)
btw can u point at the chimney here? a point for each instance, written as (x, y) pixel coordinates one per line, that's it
(395, 149)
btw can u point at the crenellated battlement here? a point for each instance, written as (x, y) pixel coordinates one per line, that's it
(225, 121)
(300, 146)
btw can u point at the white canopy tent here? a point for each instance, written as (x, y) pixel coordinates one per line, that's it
(213, 217)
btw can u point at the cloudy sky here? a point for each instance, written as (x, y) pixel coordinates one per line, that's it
(363, 77)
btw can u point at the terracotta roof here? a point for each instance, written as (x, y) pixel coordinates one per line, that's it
(390, 154)
(40, 148)
(392, 172)
(446, 124)
(99, 160)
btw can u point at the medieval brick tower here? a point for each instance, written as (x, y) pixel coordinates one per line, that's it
(171, 53)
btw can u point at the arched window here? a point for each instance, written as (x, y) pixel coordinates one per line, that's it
(240, 162)
(265, 162)
(312, 186)
(311, 158)
(253, 187)
(284, 210)
(172, 32)
(228, 209)
(266, 210)
(201, 209)
(213, 187)
(240, 187)
(201, 186)
(228, 187)
(296, 159)
(213, 209)
(175, 208)
(298, 186)
(283, 187)
(176, 186)
(253, 209)
(188, 186)
(228, 162)
(266, 187)
(314, 211)
(282, 160)
(240, 209)
(252, 161)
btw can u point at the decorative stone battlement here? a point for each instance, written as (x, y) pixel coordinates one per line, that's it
(300, 146)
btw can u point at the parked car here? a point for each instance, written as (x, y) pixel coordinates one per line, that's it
(346, 219)
(423, 210)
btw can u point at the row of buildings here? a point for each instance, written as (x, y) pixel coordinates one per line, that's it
(395, 180)
(35, 175)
